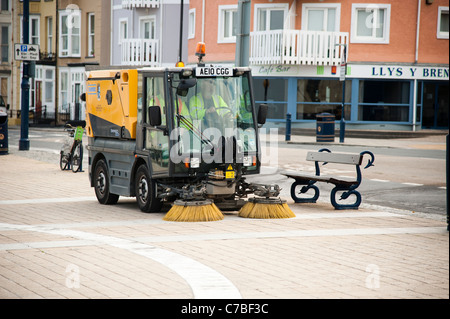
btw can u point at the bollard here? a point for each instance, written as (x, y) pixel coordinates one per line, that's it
(288, 127)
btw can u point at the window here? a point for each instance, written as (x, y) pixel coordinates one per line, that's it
(33, 31)
(123, 30)
(147, 28)
(191, 24)
(49, 81)
(270, 16)
(4, 53)
(442, 26)
(384, 101)
(319, 96)
(227, 24)
(321, 17)
(91, 34)
(370, 23)
(70, 33)
(4, 5)
(49, 25)
(274, 93)
(64, 84)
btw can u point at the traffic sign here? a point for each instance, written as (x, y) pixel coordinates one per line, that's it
(26, 52)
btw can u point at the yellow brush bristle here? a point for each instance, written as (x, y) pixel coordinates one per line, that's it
(193, 213)
(266, 210)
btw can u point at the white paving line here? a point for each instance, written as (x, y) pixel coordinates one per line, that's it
(295, 233)
(47, 200)
(134, 222)
(204, 281)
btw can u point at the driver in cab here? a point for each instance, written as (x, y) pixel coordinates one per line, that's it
(207, 106)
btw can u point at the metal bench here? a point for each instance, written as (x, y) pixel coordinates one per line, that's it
(348, 187)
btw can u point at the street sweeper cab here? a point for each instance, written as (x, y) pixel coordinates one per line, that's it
(187, 136)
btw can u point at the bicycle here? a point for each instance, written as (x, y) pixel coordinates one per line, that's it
(71, 155)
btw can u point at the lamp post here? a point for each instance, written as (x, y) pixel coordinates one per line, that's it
(343, 72)
(24, 142)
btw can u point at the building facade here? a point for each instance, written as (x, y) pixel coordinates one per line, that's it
(396, 54)
(146, 33)
(71, 34)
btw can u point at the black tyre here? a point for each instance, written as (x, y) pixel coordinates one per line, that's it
(77, 158)
(101, 184)
(146, 192)
(63, 161)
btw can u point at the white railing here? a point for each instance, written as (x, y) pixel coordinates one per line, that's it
(140, 52)
(297, 47)
(129, 4)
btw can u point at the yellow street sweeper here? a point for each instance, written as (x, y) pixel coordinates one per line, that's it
(187, 136)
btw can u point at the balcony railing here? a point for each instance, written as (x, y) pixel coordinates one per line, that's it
(140, 52)
(129, 4)
(297, 47)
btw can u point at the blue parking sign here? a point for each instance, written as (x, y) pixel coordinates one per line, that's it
(23, 48)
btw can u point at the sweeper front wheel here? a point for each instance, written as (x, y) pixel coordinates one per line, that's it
(146, 191)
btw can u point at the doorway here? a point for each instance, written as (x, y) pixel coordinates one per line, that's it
(435, 103)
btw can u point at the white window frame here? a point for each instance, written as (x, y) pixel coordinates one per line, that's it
(5, 43)
(439, 33)
(91, 36)
(223, 9)
(325, 7)
(270, 6)
(152, 20)
(30, 29)
(64, 90)
(354, 38)
(191, 30)
(123, 22)
(49, 26)
(70, 34)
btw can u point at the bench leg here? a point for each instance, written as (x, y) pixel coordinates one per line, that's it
(307, 186)
(345, 195)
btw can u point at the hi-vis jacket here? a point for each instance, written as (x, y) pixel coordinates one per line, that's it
(198, 108)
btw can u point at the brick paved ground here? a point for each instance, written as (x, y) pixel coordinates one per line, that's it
(56, 241)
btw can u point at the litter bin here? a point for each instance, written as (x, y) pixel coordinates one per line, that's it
(325, 127)
(3, 133)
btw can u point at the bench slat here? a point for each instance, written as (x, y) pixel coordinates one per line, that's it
(322, 178)
(339, 158)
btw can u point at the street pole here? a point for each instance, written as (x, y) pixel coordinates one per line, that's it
(243, 33)
(343, 73)
(24, 142)
(180, 58)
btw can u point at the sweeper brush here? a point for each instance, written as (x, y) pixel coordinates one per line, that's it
(266, 208)
(193, 211)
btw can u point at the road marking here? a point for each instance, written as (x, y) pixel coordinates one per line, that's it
(379, 180)
(412, 184)
(204, 281)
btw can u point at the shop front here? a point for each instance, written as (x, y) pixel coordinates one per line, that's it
(389, 97)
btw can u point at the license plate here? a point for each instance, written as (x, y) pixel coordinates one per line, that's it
(229, 174)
